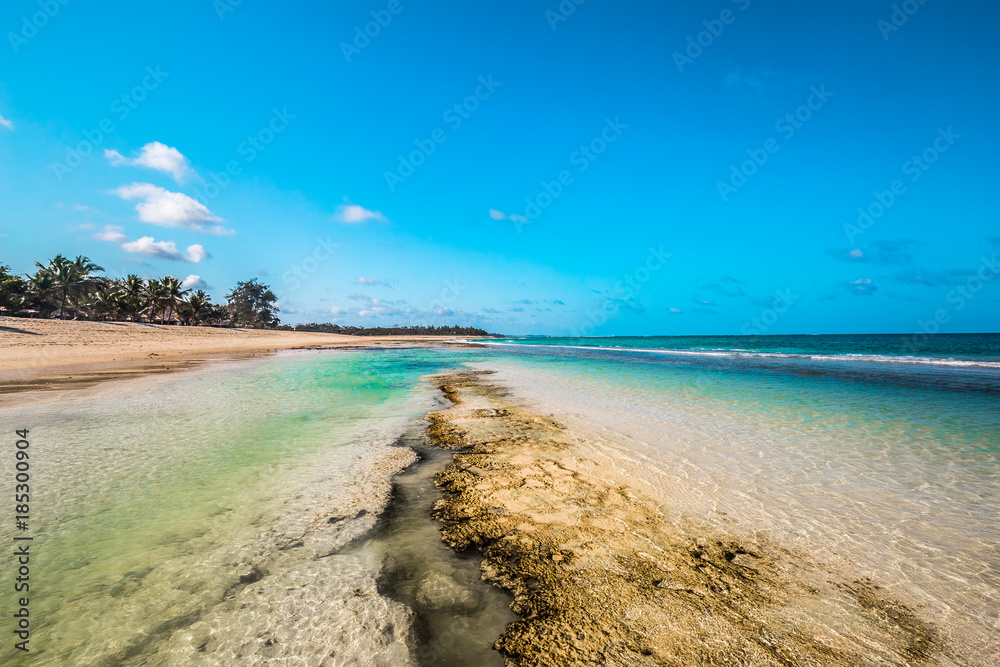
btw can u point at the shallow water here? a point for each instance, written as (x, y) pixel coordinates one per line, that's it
(183, 519)
(186, 518)
(457, 616)
(888, 473)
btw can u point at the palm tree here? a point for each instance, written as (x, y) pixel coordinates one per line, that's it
(133, 298)
(85, 266)
(71, 278)
(171, 295)
(41, 287)
(107, 302)
(198, 305)
(152, 293)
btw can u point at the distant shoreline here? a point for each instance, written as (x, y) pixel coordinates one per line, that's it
(61, 354)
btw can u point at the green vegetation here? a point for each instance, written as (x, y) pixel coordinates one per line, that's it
(392, 331)
(253, 304)
(65, 288)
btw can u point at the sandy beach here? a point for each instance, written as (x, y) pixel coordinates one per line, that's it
(48, 354)
(602, 565)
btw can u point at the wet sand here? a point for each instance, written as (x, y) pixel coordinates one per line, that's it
(66, 354)
(602, 575)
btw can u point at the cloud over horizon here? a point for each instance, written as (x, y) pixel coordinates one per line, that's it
(371, 282)
(148, 247)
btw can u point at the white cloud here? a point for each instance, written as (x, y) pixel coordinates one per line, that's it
(171, 209)
(6, 123)
(513, 217)
(155, 155)
(675, 310)
(193, 282)
(148, 247)
(370, 282)
(856, 253)
(354, 214)
(112, 233)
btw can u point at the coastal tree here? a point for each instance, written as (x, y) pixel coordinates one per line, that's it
(13, 289)
(163, 297)
(152, 292)
(41, 291)
(133, 296)
(106, 303)
(70, 278)
(253, 304)
(171, 295)
(197, 307)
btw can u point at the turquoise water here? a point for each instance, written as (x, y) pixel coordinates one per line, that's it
(879, 468)
(964, 349)
(185, 518)
(172, 515)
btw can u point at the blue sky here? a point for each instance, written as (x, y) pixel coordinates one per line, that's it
(621, 168)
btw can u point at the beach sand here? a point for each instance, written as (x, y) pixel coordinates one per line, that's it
(62, 354)
(601, 574)
(600, 571)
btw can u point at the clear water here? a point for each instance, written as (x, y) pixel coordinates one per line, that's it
(885, 469)
(981, 350)
(185, 519)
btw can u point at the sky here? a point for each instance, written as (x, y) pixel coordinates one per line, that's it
(583, 167)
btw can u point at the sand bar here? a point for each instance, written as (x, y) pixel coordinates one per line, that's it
(601, 574)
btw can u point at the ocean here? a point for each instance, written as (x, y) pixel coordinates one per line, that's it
(851, 449)
(231, 513)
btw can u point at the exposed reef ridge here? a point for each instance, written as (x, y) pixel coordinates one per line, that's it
(601, 576)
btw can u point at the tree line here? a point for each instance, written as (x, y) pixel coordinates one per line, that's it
(73, 288)
(64, 288)
(390, 331)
